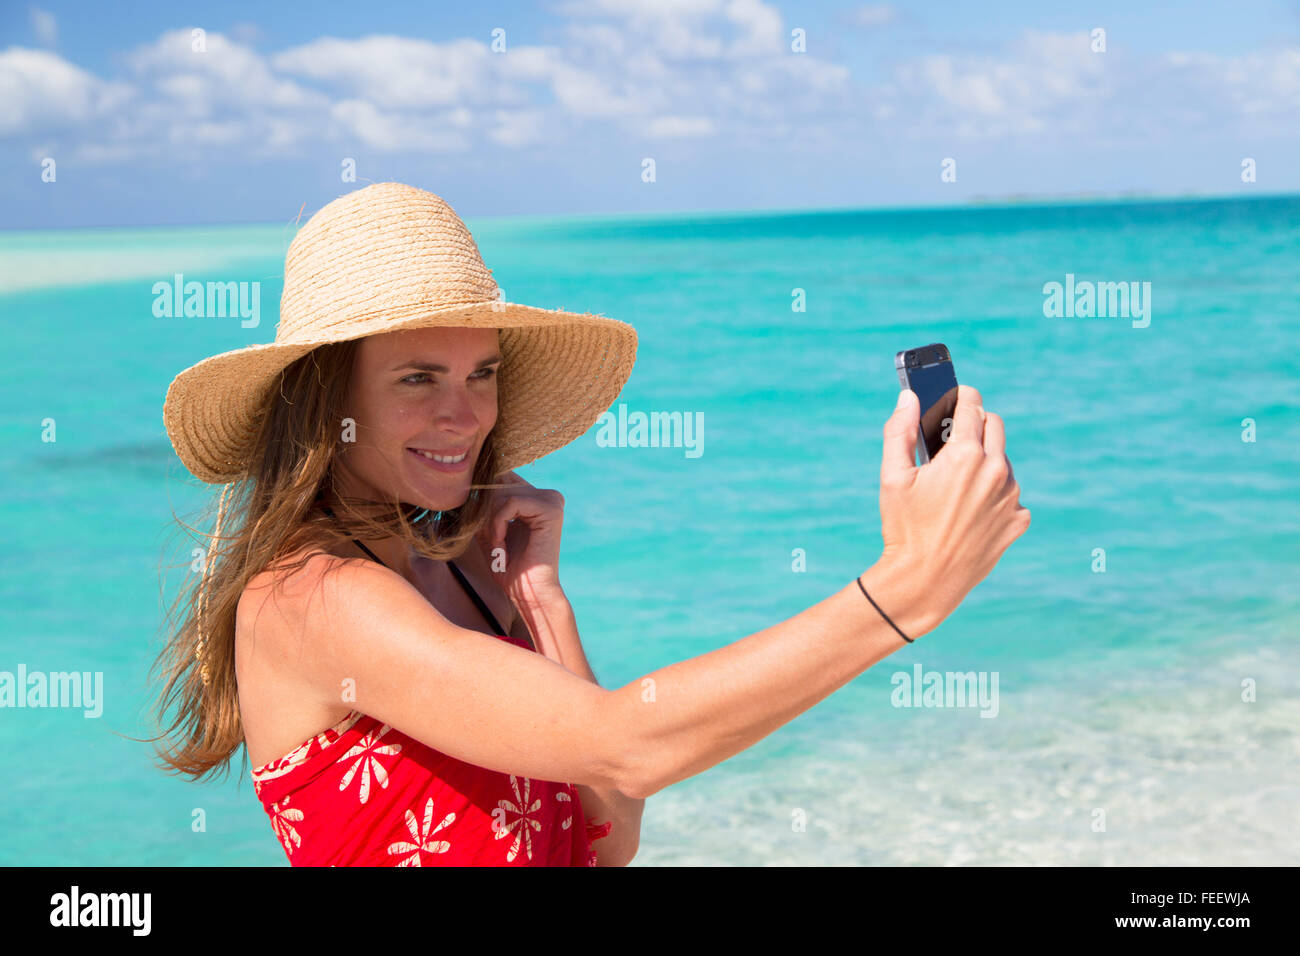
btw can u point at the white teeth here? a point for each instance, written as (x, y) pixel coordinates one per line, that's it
(445, 459)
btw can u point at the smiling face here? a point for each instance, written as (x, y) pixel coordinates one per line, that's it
(418, 396)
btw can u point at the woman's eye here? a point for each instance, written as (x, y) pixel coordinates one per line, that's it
(419, 378)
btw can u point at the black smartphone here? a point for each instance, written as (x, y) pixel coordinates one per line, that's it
(928, 371)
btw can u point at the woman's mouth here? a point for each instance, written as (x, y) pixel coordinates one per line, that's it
(440, 461)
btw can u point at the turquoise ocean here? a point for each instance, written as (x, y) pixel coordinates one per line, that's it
(1148, 713)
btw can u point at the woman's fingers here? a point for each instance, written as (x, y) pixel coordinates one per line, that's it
(995, 444)
(968, 421)
(898, 450)
(523, 503)
(507, 505)
(995, 436)
(501, 521)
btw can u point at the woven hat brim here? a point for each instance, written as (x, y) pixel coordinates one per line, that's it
(560, 371)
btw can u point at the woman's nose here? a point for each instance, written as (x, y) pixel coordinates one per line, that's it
(457, 411)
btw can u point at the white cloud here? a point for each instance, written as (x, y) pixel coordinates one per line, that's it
(874, 15)
(393, 132)
(1046, 78)
(1258, 85)
(226, 73)
(44, 27)
(42, 91)
(215, 133)
(761, 30)
(598, 36)
(517, 128)
(679, 127)
(1052, 83)
(725, 64)
(398, 72)
(689, 29)
(585, 94)
(225, 95)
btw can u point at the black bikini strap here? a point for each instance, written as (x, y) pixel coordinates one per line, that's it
(491, 619)
(371, 554)
(460, 576)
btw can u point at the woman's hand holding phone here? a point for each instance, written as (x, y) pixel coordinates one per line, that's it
(948, 521)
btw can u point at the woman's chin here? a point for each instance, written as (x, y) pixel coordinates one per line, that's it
(435, 499)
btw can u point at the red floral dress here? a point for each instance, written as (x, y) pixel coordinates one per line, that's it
(363, 793)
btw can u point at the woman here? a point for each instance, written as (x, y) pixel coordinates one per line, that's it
(379, 535)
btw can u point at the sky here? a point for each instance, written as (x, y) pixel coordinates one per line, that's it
(151, 113)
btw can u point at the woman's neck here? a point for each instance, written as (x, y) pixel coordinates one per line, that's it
(392, 551)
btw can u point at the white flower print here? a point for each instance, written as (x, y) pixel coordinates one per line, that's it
(521, 824)
(367, 753)
(283, 817)
(421, 835)
(563, 797)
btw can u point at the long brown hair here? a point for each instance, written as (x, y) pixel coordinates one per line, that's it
(272, 511)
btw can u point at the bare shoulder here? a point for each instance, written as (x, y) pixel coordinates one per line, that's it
(290, 590)
(282, 612)
(285, 608)
(280, 588)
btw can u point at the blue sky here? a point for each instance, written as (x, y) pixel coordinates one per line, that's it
(143, 128)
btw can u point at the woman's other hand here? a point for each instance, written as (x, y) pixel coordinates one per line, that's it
(523, 541)
(949, 521)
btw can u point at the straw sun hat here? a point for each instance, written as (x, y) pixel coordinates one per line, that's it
(388, 258)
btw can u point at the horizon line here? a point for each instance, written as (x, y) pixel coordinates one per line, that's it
(991, 201)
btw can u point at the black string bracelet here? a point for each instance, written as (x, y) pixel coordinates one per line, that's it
(882, 613)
